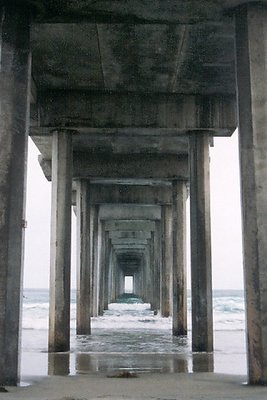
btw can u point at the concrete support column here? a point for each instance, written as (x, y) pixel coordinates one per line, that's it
(136, 286)
(104, 272)
(166, 261)
(151, 266)
(84, 260)
(107, 270)
(113, 276)
(121, 281)
(101, 271)
(14, 123)
(116, 277)
(95, 280)
(99, 265)
(251, 54)
(147, 269)
(140, 281)
(110, 273)
(179, 290)
(144, 279)
(60, 257)
(201, 281)
(156, 236)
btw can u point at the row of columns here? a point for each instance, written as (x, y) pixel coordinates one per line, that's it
(251, 36)
(92, 292)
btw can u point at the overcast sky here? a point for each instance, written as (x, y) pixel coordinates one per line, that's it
(225, 213)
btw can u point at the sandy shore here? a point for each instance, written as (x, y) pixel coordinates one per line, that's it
(197, 386)
(229, 358)
(86, 376)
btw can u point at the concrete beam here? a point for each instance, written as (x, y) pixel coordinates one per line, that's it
(133, 212)
(131, 166)
(114, 12)
(130, 194)
(129, 226)
(129, 252)
(182, 113)
(133, 235)
(118, 141)
(128, 241)
(129, 246)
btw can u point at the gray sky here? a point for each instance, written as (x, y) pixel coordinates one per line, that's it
(225, 219)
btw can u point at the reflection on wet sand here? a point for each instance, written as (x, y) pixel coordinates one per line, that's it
(84, 363)
(59, 364)
(131, 362)
(203, 362)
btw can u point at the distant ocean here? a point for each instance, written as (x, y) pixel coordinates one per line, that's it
(134, 329)
(228, 308)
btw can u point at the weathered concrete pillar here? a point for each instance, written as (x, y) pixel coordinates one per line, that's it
(179, 290)
(113, 276)
(95, 261)
(107, 270)
(251, 54)
(144, 279)
(137, 282)
(14, 122)
(201, 282)
(156, 236)
(101, 274)
(140, 281)
(104, 272)
(116, 277)
(151, 266)
(60, 257)
(83, 320)
(110, 273)
(146, 275)
(166, 261)
(121, 281)
(99, 264)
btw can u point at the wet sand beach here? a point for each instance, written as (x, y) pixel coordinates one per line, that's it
(228, 358)
(134, 356)
(197, 386)
(88, 376)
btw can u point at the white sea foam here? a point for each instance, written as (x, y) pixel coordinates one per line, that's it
(228, 312)
(131, 316)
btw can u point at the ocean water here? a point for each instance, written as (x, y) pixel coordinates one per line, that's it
(228, 313)
(130, 336)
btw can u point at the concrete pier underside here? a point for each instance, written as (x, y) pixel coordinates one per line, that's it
(122, 101)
